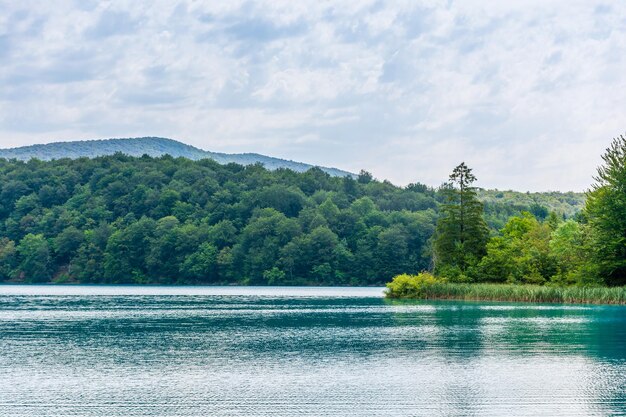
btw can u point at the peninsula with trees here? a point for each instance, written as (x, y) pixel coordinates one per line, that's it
(582, 259)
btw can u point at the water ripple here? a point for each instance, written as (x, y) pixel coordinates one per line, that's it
(165, 351)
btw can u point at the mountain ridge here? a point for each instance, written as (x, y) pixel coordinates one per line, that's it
(152, 146)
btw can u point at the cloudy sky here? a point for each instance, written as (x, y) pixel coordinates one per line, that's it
(528, 93)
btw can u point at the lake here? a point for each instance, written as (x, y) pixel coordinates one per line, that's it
(245, 351)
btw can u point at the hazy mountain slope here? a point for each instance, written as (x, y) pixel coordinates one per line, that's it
(149, 146)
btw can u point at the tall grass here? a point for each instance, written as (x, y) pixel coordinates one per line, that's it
(406, 286)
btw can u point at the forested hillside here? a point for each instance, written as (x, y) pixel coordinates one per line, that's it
(149, 146)
(502, 205)
(122, 219)
(119, 219)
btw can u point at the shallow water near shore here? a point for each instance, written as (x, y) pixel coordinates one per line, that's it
(286, 351)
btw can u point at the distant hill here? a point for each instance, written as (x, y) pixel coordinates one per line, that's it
(153, 147)
(500, 205)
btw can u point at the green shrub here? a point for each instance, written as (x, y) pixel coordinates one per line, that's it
(411, 286)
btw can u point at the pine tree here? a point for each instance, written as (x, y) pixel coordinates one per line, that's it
(606, 211)
(461, 235)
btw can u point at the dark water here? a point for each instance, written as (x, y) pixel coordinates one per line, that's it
(163, 351)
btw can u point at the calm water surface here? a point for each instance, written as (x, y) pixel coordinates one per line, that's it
(232, 351)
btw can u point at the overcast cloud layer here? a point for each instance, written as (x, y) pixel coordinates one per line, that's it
(528, 93)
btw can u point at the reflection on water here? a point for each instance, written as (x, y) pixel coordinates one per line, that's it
(197, 351)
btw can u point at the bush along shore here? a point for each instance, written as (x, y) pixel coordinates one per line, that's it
(428, 287)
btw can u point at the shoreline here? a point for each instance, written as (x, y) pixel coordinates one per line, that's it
(507, 293)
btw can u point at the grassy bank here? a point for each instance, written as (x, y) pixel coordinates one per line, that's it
(426, 287)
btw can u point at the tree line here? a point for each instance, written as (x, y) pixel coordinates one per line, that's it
(120, 219)
(588, 249)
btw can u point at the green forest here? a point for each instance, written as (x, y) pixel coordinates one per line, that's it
(139, 220)
(588, 250)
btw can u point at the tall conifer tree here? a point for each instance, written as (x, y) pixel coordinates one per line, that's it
(461, 235)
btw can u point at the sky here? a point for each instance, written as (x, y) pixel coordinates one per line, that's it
(527, 93)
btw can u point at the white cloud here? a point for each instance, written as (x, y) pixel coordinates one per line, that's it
(528, 93)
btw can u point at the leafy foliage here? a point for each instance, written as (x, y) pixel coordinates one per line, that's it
(499, 206)
(411, 286)
(520, 255)
(606, 213)
(536, 247)
(122, 219)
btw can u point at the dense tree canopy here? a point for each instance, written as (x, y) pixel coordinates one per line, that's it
(539, 246)
(120, 219)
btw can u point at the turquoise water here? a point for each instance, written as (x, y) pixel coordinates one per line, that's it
(237, 351)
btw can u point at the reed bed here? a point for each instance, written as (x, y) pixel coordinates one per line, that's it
(506, 292)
